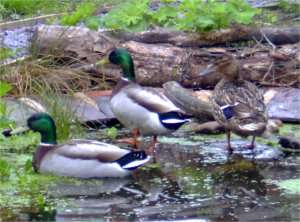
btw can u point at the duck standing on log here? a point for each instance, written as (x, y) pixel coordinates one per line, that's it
(143, 110)
(237, 104)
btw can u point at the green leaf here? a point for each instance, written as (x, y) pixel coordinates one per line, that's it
(4, 88)
(112, 132)
(82, 12)
(93, 22)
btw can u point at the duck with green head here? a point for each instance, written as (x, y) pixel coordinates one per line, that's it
(79, 157)
(237, 104)
(144, 110)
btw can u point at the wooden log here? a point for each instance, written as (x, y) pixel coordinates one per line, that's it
(234, 34)
(158, 63)
(186, 100)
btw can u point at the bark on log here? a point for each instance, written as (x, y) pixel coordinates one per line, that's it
(158, 63)
(235, 34)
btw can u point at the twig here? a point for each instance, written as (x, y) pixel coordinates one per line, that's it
(269, 70)
(268, 40)
(278, 84)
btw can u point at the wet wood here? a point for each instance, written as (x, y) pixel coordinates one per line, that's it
(290, 142)
(158, 63)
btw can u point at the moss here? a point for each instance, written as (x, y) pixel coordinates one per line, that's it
(194, 181)
(6, 53)
(290, 186)
(290, 130)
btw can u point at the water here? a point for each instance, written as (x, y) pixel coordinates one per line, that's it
(191, 182)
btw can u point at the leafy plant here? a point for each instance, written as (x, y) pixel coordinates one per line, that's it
(187, 15)
(132, 15)
(5, 169)
(82, 12)
(4, 89)
(30, 7)
(289, 7)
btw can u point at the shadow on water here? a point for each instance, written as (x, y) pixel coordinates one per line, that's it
(191, 181)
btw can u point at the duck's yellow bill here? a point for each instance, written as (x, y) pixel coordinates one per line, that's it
(103, 62)
(19, 130)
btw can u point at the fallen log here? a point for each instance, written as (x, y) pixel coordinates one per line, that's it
(158, 63)
(234, 34)
(186, 100)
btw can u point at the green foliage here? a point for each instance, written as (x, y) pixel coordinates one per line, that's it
(6, 52)
(19, 143)
(290, 130)
(67, 125)
(21, 187)
(82, 12)
(4, 89)
(93, 22)
(112, 132)
(289, 7)
(30, 7)
(5, 169)
(132, 15)
(196, 15)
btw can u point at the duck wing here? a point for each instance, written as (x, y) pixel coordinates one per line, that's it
(91, 149)
(238, 102)
(151, 99)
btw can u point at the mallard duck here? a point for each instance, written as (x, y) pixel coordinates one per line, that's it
(237, 104)
(144, 110)
(79, 157)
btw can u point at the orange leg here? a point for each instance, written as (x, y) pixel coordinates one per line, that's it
(132, 141)
(151, 148)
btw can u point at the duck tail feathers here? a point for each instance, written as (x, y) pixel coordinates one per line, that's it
(133, 160)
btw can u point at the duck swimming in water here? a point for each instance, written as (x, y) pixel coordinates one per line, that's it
(237, 104)
(79, 157)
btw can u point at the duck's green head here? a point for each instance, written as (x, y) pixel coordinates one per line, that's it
(123, 58)
(44, 124)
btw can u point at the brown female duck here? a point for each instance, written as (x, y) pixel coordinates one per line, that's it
(237, 104)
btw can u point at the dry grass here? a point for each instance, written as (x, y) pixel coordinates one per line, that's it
(33, 76)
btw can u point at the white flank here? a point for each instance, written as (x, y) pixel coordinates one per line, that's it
(46, 144)
(174, 121)
(64, 166)
(136, 163)
(249, 127)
